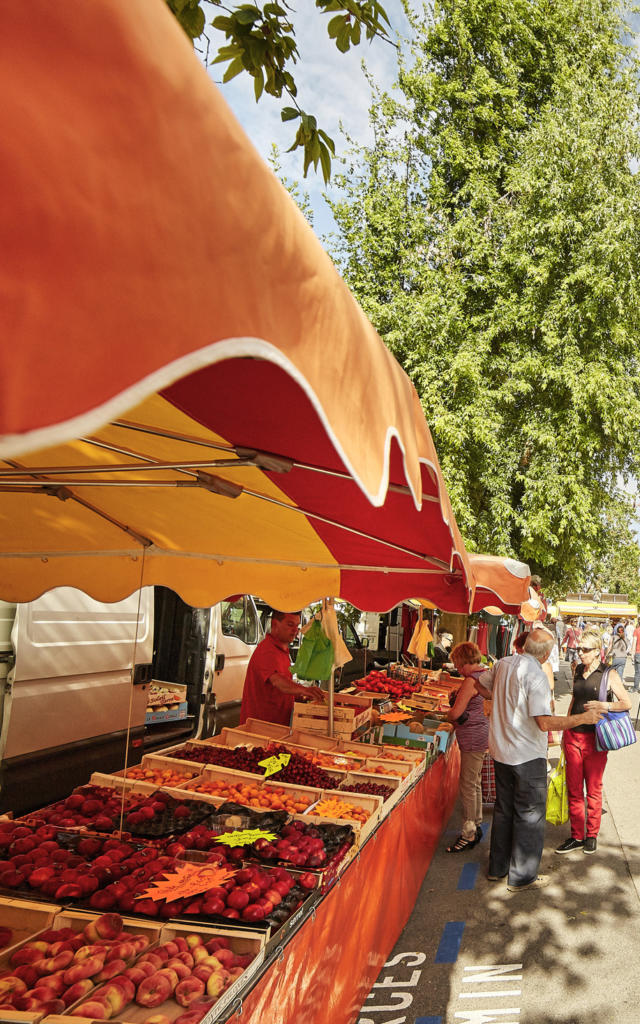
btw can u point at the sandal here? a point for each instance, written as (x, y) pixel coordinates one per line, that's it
(462, 844)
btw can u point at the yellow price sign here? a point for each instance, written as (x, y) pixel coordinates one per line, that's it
(245, 837)
(274, 764)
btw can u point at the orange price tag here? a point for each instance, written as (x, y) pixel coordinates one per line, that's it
(394, 716)
(187, 880)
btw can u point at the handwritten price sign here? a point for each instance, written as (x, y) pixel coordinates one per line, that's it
(188, 880)
(245, 837)
(275, 764)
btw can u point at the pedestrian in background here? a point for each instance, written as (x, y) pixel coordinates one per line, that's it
(472, 733)
(571, 641)
(585, 764)
(618, 651)
(520, 720)
(635, 654)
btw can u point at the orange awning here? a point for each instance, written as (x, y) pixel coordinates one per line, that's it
(190, 396)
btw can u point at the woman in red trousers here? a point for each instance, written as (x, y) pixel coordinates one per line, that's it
(585, 764)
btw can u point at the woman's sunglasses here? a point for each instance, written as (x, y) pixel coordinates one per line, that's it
(584, 650)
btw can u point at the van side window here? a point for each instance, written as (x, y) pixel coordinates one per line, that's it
(239, 619)
(251, 622)
(233, 618)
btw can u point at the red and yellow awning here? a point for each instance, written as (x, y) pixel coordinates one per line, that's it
(189, 394)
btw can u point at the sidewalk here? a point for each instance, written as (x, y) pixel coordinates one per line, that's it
(473, 952)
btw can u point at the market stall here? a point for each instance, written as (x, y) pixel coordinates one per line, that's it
(182, 405)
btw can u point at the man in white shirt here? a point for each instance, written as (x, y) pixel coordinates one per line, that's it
(520, 720)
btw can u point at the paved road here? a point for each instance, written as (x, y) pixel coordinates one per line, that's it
(472, 953)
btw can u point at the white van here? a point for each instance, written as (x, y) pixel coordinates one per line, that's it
(67, 706)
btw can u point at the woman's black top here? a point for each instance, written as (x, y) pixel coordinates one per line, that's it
(584, 690)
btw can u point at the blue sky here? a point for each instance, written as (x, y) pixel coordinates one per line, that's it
(331, 85)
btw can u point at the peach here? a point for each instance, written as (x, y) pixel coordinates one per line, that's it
(141, 942)
(152, 958)
(189, 990)
(55, 963)
(181, 969)
(215, 984)
(110, 969)
(154, 990)
(194, 1015)
(85, 969)
(126, 984)
(10, 983)
(92, 1009)
(157, 1018)
(172, 975)
(224, 956)
(121, 951)
(199, 953)
(186, 958)
(27, 973)
(114, 996)
(25, 956)
(136, 974)
(193, 940)
(84, 952)
(202, 972)
(77, 991)
(107, 926)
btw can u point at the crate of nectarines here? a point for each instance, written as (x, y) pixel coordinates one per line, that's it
(187, 976)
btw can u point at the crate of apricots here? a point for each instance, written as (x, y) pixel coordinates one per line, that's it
(263, 796)
(160, 771)
(355, 809)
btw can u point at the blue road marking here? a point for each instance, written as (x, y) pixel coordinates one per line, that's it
(428, 1020)
(449, 947)
(468, 876)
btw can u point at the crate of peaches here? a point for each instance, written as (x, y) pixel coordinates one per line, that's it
(75, 955)
(182, 978)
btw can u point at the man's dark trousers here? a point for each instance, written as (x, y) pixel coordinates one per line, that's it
(517, 831)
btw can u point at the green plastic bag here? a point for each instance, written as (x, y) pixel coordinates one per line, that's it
(557, 795)
(315, 657)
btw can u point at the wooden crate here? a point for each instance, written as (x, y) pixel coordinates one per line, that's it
(311, 739)
(241, 941)
(270, 729)
(234, 738)
(25, 919)
(391, 781)
(389, 767)
(62, 919)
(347, 721)
(362, 830)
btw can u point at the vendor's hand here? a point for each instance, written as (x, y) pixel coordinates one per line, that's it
(317, 695)
(596, 705)
(593, 715)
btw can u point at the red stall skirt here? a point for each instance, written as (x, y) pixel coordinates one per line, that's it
(329, 966)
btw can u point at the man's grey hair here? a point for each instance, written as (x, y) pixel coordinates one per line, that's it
(539, 644)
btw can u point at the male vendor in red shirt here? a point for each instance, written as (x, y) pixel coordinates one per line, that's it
(269, 688)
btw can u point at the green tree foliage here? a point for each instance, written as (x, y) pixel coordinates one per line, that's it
(260, 41)
(618, 570)
(492, 235)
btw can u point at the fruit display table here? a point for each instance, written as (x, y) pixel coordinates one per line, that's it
(327, 968)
